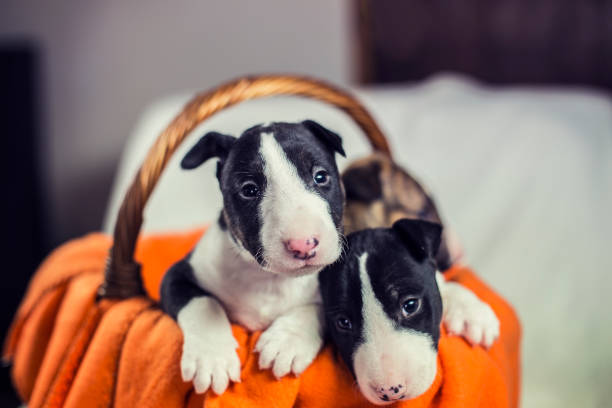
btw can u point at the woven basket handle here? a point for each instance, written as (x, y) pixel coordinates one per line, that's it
(122, 277)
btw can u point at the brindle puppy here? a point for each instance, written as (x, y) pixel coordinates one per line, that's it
(379, 193)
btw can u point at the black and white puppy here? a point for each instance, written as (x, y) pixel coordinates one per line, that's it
(257, 266)
(384, 302)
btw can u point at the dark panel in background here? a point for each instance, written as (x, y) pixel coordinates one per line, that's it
(23, 246)
(498, 41)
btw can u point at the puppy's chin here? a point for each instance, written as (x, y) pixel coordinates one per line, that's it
(281, 263)
(370, 396)
(298, 269)
(412, 391)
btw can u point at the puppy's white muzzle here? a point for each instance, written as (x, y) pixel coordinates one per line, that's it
(293, 218)
(302, 245)
(403, 371)
(390, 359)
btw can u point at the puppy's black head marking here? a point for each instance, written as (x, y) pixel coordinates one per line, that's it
(341, 293)
(308, 146)
(422, 238)
(329, 138)
(212, 144)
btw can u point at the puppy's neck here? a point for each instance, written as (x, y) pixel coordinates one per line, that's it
(251, 295)
(230, 238)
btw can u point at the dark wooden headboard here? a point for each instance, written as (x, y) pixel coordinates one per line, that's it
(497, 41)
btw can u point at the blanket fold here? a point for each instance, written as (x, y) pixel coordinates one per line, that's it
(68, 350)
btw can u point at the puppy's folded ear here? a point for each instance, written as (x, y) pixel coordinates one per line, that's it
(329, 138)
(212, 144)
(422, 238)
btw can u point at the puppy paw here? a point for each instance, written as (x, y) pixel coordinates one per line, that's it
(287, 350)
(210, 363)
(468, 316)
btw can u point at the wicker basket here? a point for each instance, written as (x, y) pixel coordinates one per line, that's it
(88, 334)
(122, 275)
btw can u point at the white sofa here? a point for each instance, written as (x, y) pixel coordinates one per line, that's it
(523, 175)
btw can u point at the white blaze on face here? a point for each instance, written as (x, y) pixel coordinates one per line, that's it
(289, 210)
(390, 357)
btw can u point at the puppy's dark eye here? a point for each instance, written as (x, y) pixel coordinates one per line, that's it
(249, 190)
(411, 306)
(320, 176)
(344, 323)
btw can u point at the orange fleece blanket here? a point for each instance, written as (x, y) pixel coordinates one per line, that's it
(69, 350)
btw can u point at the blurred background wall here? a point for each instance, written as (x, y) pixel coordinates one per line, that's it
(101, 63)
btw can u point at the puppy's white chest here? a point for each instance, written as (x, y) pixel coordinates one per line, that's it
(251, 297)
(257, 304)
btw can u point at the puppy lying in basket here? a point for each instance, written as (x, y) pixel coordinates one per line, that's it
(384, 298)
(384, 309)
(257, 266)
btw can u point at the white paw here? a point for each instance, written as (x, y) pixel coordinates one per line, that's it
(287, 349)
(210, 363)
(468, 316)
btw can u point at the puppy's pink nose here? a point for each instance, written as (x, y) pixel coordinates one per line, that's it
(302, 248)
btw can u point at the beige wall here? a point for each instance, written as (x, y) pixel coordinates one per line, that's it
(104, 61)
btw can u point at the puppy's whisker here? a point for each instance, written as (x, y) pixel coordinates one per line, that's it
(259, 253)
(343, 247)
